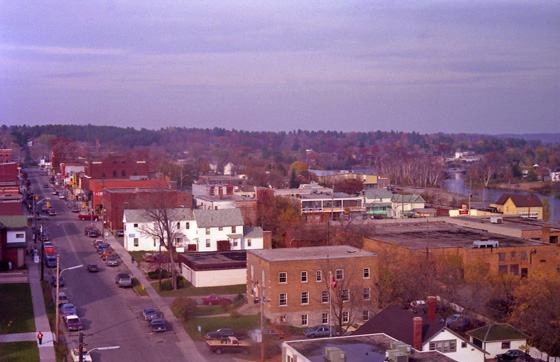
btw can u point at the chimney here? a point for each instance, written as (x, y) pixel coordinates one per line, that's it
(545, 234)
(431, 308)
(417, 336)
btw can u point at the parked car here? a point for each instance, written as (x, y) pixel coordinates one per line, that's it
(92, 268)
(320, 331)
(62, 299)
(73, 322)
(453, 319)
(123, 280)
(157, 325)
(60, 281)
(88, 217)
(229, 344)
(215, 300)
(223, 333)
(51, 211)
(94, 233)
(149, 313)
(75, 208)
(511, 355)
(50, 261)
(97, 242)
(55, 192)
(160, 257)
(76, 357)
(101, 247)
(147, 257)
(112, 261)
(119, 233)
(67, 309)
(108, 252)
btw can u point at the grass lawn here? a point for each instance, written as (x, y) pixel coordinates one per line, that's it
(242, 324)
(190, 291)
(16, 314)
(210, 310)
(19, 352)
(138, 288)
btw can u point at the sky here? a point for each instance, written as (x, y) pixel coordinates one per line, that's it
(426, 66)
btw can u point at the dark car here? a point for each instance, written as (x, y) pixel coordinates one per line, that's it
(120, 233)
(157, 325)
(51, 211)
(60, 281)
(92, 268)
(223, 333)
(320, 331)
(150, 313)
(75, 209)
(215, 300)
(50, 261)
(101, 247)
(511, 355)
(123, 280)
(147, 257)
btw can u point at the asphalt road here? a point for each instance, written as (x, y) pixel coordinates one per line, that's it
(111, 315)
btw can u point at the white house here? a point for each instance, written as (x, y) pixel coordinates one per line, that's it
(195, 230)
(377, 201)
(402, 205)
(497, 338)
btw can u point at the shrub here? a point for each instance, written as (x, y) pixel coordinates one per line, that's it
(225, 305)
(184, 307)
(181, 282)
(166, 285)
(155, 274)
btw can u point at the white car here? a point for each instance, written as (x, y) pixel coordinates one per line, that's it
(76, 357)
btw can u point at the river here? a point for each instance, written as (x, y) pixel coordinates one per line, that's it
(456, 183)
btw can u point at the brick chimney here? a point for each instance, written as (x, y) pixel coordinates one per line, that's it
(417, 330)
(431, 308)
(546, 234)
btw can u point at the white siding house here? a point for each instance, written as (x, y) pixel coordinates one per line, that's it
(497, 338)
(195, 230)
(454, 346)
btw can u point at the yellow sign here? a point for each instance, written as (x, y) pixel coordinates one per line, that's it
(48, 204)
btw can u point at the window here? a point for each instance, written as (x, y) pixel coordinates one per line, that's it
(234, 242)
(233, 229)
(221, 228)
(282, 277)
(523, 255)
(20, 235)
(103, 175)
(283, 299)
(324, 296)
(135, 225)
(325, 318)
(252, 272)
(339, 274)
(187, 225)
(123, 173)
(178, 225)
(502, 256)
(207, 243)
(304, 277)
(207, 231)
(135, 241)
(304, 297)
(263, 278)
(345, 295)
(304, 319)
(367, 293)
(248, 242)
(444, 346)
(345, 317)
(366, 273)
(114, 173)
(365, 315)
(463, 344)
(179, 242)
(514, 269)
(513, 254)
(318, 276)
(502, 269)
(506, 345)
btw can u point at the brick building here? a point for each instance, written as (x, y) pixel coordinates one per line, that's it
(5, 155)
(298, 283)
(118, 199)
(117, 167)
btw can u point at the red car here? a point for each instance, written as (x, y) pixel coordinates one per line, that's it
(215, 300)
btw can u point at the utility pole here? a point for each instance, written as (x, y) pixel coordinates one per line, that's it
(261, 295)
(42, 252)
(57, 295)
(81, 347)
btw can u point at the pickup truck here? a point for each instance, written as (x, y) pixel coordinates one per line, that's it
(229, 344)
(88, 217)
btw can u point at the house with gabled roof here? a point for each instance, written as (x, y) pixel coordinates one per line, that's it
(497, 338)
(402, 206)
(377, 201)
(195, 230)
(422, 333)
(13, 239)
(523, 205)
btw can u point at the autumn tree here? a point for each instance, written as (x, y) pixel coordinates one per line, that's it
(537, 311)
(545, 208)
(163, 217)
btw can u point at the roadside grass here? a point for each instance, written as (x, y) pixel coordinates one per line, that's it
(60, 348)
(190, 291)
(16, 314)
(242, 324)
(138, 288)
(19, 352)
(210, 310)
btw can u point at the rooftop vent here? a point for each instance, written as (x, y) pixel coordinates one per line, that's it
(486, 244)
(496, 219)
(334, 354)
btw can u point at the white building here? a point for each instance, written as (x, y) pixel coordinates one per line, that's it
(195, 230)
(402, 205)
(497, 338)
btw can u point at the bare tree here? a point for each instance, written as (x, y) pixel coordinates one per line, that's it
(163, 225)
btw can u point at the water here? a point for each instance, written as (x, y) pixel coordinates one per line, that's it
(456, 183)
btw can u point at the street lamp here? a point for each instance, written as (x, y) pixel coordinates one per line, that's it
(81, 348)
(102, 349)
(262, 300)
(58, 274)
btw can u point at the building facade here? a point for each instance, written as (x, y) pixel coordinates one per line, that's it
(300, 285)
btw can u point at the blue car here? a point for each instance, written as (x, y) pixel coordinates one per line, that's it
(320, 331)
(67, 309)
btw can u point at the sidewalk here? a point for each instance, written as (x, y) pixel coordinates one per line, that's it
(185, 344)
(46, 349)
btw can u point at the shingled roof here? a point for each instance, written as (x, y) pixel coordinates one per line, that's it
(497, 332)
(397, 322)
(520, 200)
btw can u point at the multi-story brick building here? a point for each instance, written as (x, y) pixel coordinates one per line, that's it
(297, 284)
(117, 167)
(5, 155)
